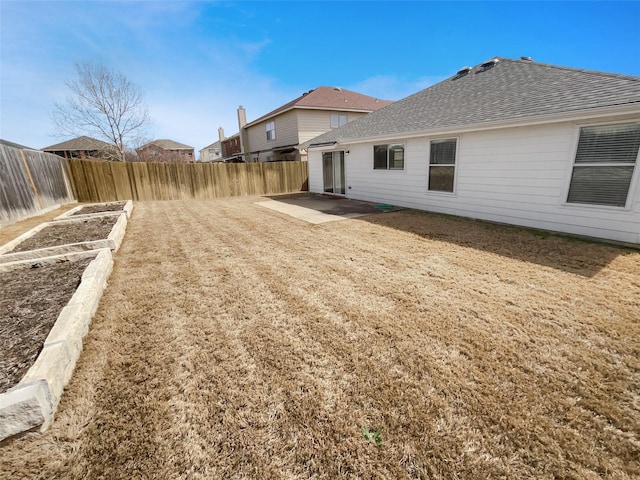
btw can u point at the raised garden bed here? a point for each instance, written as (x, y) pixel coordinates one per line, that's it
(32, 295)
(94, 209)
(51, 279)
(66, 236)
(64, 233)
(45, 311)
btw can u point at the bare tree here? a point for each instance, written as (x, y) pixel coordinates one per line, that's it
(104, 104)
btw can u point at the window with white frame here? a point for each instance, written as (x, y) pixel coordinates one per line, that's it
(442, 165)
(603, 167)
(338, 120)
(388, 157)
(271, 130)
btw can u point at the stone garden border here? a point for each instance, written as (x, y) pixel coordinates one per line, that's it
(33, 401)
(127, 208)
(112, 242)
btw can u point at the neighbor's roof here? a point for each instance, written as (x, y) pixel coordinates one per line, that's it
(329, 98)
(14, 145)
(79, 143)
(501, 90)
(168, 145)
(213, 145)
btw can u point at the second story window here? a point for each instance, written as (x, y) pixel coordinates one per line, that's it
(271, 130)
(338, 120)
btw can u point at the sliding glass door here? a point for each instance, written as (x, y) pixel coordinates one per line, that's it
(333, 172)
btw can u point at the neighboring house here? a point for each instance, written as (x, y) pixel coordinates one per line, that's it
(231, 149)
(165, 151)
(212, 153)
(83, 147)
(511, 141)
(277, 135)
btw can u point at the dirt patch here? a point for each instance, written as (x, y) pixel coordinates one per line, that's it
(32, 298)
(63, 233)
(243, 343)
(109, 207)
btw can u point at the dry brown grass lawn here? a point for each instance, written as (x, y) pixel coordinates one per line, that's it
(236, 342)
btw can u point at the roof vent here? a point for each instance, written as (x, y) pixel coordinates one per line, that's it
(461, 73)
(526, 59)
(337, 89)
(487, 65)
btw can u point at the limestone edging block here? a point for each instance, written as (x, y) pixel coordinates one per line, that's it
(127, 208)
(113, 241)
(24, 407)
(34, 400)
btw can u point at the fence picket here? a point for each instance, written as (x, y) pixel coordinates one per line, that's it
(96, 181)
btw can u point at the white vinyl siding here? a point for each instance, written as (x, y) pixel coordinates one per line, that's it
(605, 159)
(517, 176)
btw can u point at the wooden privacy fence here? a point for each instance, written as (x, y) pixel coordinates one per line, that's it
(95, 181)
(30, 181)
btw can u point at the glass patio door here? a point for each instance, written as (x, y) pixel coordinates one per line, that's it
(333, 172)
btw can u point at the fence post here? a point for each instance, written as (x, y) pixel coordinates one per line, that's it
(33, 185)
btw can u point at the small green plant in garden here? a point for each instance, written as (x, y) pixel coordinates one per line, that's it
(374, 436)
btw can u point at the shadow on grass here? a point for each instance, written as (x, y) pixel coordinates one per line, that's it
(578, 255)
(572, 254)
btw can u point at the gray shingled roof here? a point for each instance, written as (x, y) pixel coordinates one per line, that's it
(511, 90)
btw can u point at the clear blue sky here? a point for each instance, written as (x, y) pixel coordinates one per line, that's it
(197, 61)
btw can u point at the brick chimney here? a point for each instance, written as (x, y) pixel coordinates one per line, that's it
(220, 134)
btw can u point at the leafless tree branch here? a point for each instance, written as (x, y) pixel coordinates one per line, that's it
(104, 104)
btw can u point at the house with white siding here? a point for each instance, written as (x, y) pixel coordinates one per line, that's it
(277, 135)
(510, 141)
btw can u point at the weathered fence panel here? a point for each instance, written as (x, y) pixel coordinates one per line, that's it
(96, 181)
(31, 181)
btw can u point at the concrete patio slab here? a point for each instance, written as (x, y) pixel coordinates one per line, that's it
(317, 209)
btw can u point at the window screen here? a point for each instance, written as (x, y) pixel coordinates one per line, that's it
(604, 163)
(442, 161)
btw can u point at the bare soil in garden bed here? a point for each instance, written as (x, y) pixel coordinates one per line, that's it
(101, 208)
(63, 233)
(243, 343)
(9, 232)
(32, 298)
